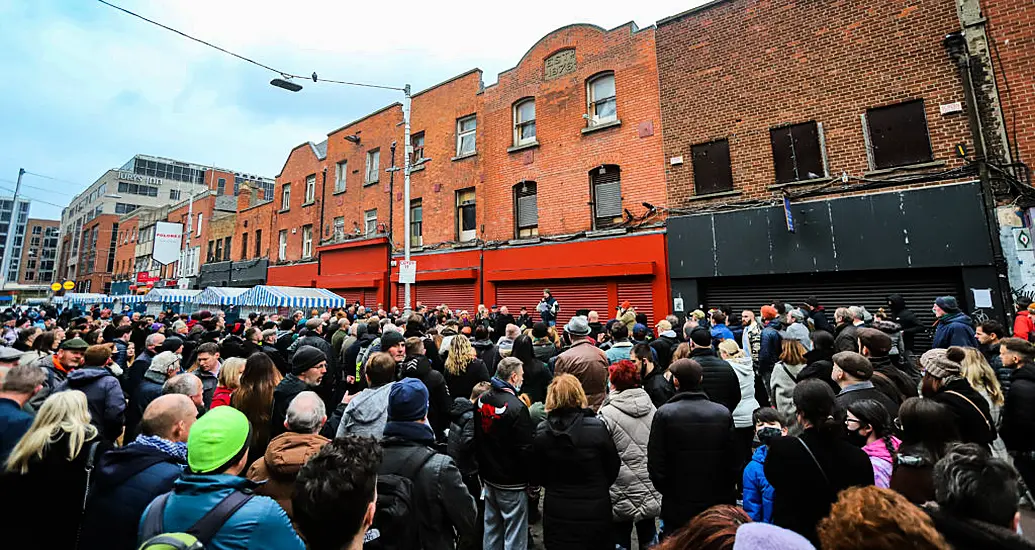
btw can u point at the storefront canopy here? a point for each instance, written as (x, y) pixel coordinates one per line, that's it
(220, 295)
(289, 296)
(163, 296)
(85, 298)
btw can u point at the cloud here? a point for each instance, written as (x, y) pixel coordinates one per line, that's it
(87, 87)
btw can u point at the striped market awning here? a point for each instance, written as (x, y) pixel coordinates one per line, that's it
(289, 296)
(220, 295)
(85, 298)
(163, 296)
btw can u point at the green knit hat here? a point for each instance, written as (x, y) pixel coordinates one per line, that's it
(218, 436)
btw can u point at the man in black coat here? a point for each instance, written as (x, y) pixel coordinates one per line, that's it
(665, 344)
(817, 314)
(720, 381)
(314, 337)
(308, 367)
(691, 455)
(1018, 414)
(853, 372)
(905, 317)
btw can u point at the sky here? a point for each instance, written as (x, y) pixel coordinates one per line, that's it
(85, 87)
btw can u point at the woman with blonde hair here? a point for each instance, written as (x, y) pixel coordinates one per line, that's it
(785, 376)
(48, 471)
(463, 368)
(979, 374)
(575, 462)
(229, 380)
(254, 398)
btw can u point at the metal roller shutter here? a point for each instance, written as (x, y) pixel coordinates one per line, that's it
(458, 296)
(371, 297)
(352, 295)
(869, 289)
(572, 296)
(641, 295)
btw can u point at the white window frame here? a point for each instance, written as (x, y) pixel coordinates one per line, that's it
(461, 134)
(370, 216)
(307, 241)
(520, 124)
(340, 176)
(198, 234)
(416, 239)
(592, 101)
(285, 197)
(417, 158)
(310, 189)
(373, 172)
(282, 245)
(339, 227)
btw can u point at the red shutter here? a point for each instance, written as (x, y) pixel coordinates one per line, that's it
(571, 296)
(351, 295)
(458, 296)
(371, 298)
(640, 294)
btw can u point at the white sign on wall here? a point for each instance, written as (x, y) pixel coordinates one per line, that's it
(168, 242)
(407, 272)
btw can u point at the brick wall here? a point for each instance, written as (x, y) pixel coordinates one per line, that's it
(736, 69)
(96, 271)
(1012, 29)
(301, 163)
(125, 249)
(252, 218)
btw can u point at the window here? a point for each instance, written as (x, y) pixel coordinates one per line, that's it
(466, 130)
(226, 250)
(199, 227)
(219, 250)
(798, 152)
(526, 209)
(29, 275)
(307, 241)
(896, 135)
(370, 222)
(712, 171)
(524, 122)
(35, 241)
(466, 221)
(258, 243)
(221, 186)
(37, 230)
(606, 186)
(285, 197)
(282, 245)
(600, 94)
(373, 166)
(339, 177)
(310, 189)
(416, 223)
(339, 227)
(174, 195)
(417, 142)
(244, 246)
(209, 257)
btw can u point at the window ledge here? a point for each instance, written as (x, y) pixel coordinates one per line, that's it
(602, 126)
(798, 182)
(464, 156)
(466, 244)
(522, 147)
(369, 183)
(309, 203)
(906, 167)
(713, 196)
(417, 167)
(342, 192)
(283, 210)
(606, 232)
(524, 240)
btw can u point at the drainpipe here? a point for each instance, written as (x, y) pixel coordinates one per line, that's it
(391, 222)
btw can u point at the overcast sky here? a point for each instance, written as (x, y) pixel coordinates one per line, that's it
(85, 87)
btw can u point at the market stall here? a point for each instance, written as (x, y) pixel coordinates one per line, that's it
(161, 299)
(280, 299)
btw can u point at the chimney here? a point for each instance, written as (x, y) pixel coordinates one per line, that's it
(244, 196)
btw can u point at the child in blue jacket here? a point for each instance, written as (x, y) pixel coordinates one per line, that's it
(758, 494)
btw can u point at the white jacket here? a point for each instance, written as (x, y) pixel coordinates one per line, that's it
(628, 415)
(746, 375)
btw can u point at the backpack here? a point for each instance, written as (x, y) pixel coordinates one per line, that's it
(198, 535)
(395, 524)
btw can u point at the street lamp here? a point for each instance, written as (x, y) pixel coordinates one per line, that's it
(407, 153)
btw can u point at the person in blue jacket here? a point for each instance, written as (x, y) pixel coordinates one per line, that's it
(758, 493)
(953, 327)
(217, 452)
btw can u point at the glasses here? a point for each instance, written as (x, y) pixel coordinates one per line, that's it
(851, 420)
(898, 424)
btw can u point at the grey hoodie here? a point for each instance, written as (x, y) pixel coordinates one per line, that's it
(746, 376)
(367, 413)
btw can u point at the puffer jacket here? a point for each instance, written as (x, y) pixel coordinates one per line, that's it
(782, 382)
(460, 444)
(954, 329)
(770, 344)
(279, 467)
(628, 416)
(367, 413)
(260, 523)
(103, 397)
(758, 493)
(745, 371)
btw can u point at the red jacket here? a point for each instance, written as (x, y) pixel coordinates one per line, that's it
(221, 396)
(1022, 325)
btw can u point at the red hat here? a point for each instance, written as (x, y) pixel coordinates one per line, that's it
(626, 304)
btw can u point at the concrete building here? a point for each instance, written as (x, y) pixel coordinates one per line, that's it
(18, 238)
(39, 257)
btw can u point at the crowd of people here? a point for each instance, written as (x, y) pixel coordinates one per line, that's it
(438, 429)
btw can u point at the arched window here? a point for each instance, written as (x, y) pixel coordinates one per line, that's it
(606, 186)
(600, 96)
(524, 122)
(526, 210)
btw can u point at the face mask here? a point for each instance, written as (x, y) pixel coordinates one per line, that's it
(768, 433)
(857, 439)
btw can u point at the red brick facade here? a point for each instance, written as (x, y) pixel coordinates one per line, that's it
(734, 70)
(126, 249)
(97, 247)
(1012, 29)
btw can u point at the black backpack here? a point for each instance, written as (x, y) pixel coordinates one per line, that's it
(395, 521)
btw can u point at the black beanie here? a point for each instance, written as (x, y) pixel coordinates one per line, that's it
(305, 358)
(391, 338)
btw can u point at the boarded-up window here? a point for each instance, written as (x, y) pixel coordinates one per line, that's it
(526, 206)
(607, 195)
(712, 171)
(798, 152)
(897, 135)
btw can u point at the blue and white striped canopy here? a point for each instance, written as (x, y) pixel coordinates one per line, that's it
(290, 296)
(85, 298)
(163, 296)
(220, 295)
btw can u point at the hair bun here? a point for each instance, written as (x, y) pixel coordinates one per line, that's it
(955, 353)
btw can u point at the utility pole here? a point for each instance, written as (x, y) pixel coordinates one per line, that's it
(407, 153)
(13, 223)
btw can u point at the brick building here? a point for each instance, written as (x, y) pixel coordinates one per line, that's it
(548, 178)
(97, 254)
(39, 256)
(845, 116)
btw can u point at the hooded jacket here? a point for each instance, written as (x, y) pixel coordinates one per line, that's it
(503, 437)
(758, 493)
(628, 416)
(905, 317)
(127, 479)
(954, 329)
(576, 463)
(461, 436)
(103, 397)
(664, 346)
(279, 466)
(782, 382)
(260, 523)
(744, 369)
(367, 413)
(488, 353)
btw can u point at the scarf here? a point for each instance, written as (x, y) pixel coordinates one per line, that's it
(176, 449)
(59, 366)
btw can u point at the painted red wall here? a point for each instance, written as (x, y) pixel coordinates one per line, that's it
(292, 275)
